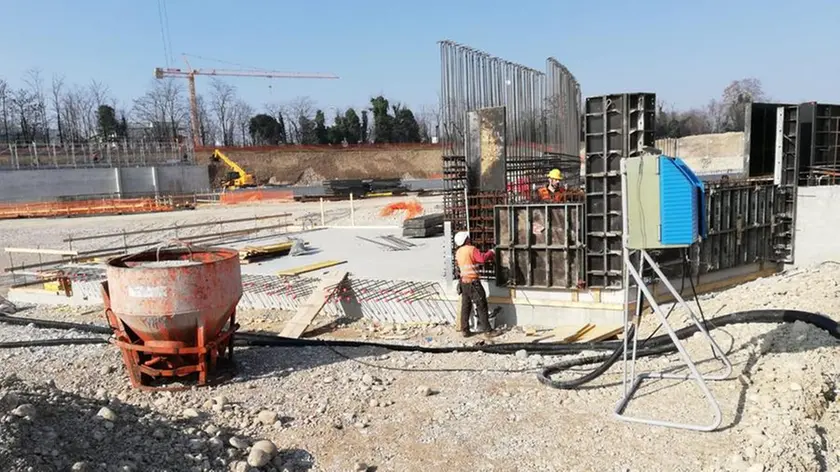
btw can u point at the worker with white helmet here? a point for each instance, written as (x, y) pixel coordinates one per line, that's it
(468, 259)
(554, 191)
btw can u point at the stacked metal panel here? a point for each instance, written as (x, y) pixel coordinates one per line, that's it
(615, 127)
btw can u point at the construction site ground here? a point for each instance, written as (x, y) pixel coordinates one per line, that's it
(51, 233)
(344, 409)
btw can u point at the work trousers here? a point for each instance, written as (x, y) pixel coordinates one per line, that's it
(473, 293)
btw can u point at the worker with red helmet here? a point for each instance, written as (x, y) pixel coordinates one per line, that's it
(469, 258)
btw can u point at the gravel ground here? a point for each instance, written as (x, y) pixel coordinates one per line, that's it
(351, 409)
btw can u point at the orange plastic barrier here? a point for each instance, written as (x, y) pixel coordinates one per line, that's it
(261, 195)
(412, 209)
(81, 208)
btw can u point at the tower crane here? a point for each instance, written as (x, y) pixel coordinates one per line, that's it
(190, 73)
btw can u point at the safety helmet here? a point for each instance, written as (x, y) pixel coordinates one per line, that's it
(461, 238)
(555, 174)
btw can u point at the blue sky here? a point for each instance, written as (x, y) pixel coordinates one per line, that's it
(685, 52)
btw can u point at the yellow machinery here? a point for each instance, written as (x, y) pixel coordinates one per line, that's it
(237, 178)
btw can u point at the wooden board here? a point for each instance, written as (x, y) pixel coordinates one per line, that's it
(309, 267)
(600, 333)
(313, 305)
(567, 333)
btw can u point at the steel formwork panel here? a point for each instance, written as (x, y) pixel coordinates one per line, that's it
(740, 222)
(616, 126)
(539, 245)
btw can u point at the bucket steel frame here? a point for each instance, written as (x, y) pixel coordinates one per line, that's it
(143, 359)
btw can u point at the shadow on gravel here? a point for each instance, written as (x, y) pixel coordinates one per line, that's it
(265, 362)
(45, 429)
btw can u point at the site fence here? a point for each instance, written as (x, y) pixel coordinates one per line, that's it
(16, 156)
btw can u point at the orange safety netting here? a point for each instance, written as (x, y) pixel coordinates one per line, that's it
(82, 208)
(412, 209)
(245, 196)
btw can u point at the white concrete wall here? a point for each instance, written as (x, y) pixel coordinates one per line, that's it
(49, 184)
(817, 225)
(708, 153)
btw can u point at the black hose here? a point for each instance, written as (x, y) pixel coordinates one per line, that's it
(52, 342)
(654, 346)
(663, 344)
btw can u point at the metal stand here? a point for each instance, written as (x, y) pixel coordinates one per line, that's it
(641, 288)
(694, 374)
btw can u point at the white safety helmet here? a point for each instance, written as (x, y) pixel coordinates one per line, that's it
(461, 238)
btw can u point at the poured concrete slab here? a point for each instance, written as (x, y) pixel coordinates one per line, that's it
(365, 259)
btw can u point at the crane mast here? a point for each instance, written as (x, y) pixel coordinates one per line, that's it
(190, 73)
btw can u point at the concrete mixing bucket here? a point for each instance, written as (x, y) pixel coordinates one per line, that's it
(166, 295)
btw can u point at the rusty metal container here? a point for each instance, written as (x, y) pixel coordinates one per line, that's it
(166, 295)
(173, 313)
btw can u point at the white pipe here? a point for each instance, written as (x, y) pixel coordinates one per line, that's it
(323, 223)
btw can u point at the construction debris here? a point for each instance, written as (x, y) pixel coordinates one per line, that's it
(250, 254)
(423, 226)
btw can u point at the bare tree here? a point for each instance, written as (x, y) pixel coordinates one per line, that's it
(735, 98)
(40, 122)
(222, 100)
(57, 85)
(4, 109)
(206, 127)
(300, 107)
(164, 109)
(242, 113)
(428, 119)
(25, 107)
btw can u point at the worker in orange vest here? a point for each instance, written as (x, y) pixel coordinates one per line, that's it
(469, 258)
(554, 191)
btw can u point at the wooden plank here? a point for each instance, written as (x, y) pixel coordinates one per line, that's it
(600, 333)
(313, 305)
(567, 333)
(310, 267)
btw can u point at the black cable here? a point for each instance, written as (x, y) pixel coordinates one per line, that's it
(662, 344)
(52, 342)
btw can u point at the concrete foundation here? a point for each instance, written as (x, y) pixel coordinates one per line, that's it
(394, 286)
(817, 225)
(49, 184)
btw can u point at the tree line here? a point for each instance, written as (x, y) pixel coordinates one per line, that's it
(725, 114)
(60, 113)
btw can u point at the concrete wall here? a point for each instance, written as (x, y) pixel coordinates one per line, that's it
(817, 225)
(49, 184)
(708, 153)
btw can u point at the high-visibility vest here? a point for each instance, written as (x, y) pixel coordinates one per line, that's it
(466, 263)
(558, 196)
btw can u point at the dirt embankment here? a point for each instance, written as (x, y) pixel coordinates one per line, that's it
(310, 166)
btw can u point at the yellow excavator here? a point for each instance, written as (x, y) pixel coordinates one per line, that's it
(237, 178)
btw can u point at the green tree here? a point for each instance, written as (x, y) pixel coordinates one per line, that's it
(364, 132)
(352, 127)
(335, 133)
(383, 123)
(264, 130)
(320, 128)
(405, 128)
(107, 121)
